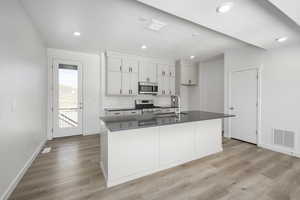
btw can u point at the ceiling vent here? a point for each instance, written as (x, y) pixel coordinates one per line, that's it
(156, 25)
(284, 138)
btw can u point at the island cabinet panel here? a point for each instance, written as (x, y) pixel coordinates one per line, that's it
(132, 152)
(176, 144)
(208, 137)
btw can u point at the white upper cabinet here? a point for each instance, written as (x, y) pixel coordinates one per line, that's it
(189, 74)
(129, 84)
(163, 70)
(123, 72)
(172, 86)
(122, 76)
(163, 85)
(147, 72)
(114, 63)
(166, 79)
(172, 70)
(114, 83)
(130, 65)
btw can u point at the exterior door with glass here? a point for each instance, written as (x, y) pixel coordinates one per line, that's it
(67, 98)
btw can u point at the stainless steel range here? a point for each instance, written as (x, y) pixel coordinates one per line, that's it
(147, 106)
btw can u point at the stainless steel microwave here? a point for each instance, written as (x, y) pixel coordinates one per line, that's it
(148, 88)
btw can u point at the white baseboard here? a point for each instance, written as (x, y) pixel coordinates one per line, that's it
(280, 149)
(21, 173)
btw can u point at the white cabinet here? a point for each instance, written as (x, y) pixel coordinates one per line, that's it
(122, 76)
(114, 64)
(129, 83)
(172, 71)
(147, 72)
(114, 83)
(188, 73)
(166, 79)
(130, 65)
(163, 70)
(176, 144)
(163, 85)
(172, 86)
(131, 152)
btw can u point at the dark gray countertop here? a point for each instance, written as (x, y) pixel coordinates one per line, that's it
(119, 123)
(126, 109)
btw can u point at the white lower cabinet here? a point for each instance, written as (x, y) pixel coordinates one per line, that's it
(176, 144)
(130, 154)
(208, 137)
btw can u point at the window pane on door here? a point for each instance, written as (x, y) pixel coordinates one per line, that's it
(68, 96)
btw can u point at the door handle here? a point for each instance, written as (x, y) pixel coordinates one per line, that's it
(231, 108)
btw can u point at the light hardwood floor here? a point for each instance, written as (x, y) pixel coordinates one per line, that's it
(242, 172)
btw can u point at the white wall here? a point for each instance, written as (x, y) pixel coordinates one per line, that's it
(91, 87)
(211, 84)
(280, 96)
(23, 93)
(208, 95)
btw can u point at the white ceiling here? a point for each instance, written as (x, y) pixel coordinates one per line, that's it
(256, 22)
(115, 25)
(290, 7)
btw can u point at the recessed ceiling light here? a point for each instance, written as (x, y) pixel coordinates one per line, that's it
(192, 57)
(144, 47)
(282, 39)
(225, 7)
(76, 34)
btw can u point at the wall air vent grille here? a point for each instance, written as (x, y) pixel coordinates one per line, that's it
(284, 138)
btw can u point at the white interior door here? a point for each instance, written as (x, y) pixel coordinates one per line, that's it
(244, 104)
(67, 98)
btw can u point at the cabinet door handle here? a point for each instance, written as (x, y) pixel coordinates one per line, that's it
(120, 91)
(190, 81)
(170, 73)
(120, 67)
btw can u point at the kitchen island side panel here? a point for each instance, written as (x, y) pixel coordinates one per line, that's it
(140, 152)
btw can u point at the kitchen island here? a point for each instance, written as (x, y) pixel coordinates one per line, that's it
(135, 146)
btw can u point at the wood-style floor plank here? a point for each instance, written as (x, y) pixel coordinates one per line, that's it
(241, 172)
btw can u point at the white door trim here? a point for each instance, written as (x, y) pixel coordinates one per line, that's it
(51, 61)
(259, 106)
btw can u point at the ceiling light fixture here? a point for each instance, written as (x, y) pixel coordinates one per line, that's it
(144, 47)
(225, 7)
(76, 34)
(192, 57)
(282, 39)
